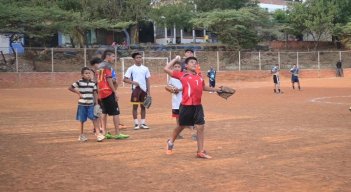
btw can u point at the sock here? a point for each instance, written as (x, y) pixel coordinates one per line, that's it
(142, 121)
(274, 91)
(299, 88)
(136, 122)
(293, 87)
(279, 90)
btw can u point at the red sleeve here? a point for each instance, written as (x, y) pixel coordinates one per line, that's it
(177, 74)
(108, 73)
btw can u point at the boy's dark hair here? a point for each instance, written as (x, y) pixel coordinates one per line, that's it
(177, 63)
(95, 60)
(107, 53)
(135, 54)
(186, 50)
(190, 58)
(84, 69)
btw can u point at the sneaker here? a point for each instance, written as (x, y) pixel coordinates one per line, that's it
(169, 147)
(108, 135)
(82, 138)
(100, 137)
(136, 127)
(203, 155)
(194, 137)
(121, 136)
(144, 126)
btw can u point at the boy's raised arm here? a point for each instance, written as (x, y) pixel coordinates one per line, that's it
(168, 67)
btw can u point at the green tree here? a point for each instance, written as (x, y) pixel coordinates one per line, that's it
(209, 5)
(314, 17)
(235, 28)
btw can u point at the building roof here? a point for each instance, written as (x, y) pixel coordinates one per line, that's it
(273, 2)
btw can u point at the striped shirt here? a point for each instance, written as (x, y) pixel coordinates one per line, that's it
(86, 88)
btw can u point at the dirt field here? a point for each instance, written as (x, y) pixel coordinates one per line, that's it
(260, 141)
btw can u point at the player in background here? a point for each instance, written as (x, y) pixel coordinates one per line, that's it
(176, 88)
(295, 71)
(211, 74)
(276, 79)
(86, 89)
(138, 76)
(191, 111)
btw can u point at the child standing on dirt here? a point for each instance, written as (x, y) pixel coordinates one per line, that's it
(191, 111)
(276, 79)
(86, 89)
(176, 88)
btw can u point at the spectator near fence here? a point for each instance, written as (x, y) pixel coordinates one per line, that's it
(339, 70)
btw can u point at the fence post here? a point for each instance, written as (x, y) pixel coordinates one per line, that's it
(116, 59)
(16, 54)
(85, 56)
(319, 64)
(259, 60)
(217, 61)
(143, 57)
(297, 59)
(122, 62)
(52, 60)
(239, 61)
(340, 55)
(279, 59)
(170, 55)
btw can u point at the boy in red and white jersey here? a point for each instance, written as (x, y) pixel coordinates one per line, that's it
(190, 112)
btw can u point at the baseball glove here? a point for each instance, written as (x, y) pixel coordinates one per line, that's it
(225, 92)
(147, 102)
(97, 110)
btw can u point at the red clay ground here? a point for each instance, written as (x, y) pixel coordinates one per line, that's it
(260, 141)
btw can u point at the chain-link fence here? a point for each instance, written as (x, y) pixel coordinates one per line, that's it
(73, 59)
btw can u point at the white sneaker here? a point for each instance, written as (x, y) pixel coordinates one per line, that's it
(144, 126)
(100, 137)
(82, 138)
(136, 127)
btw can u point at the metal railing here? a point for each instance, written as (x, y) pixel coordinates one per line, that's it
(73, 59)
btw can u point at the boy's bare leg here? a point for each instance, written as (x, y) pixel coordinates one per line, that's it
(96, 126)
(176, 132)
(200, 137)
(142, 111)
(104, 123)
(116, 123)
(135, 111)
(81, 127)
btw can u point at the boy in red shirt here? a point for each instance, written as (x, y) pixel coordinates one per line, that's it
(190, 112)
(108, 94)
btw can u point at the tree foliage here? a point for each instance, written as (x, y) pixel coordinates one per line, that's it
(236, 28)
(314, 17)
(175, 14)
(209, 5)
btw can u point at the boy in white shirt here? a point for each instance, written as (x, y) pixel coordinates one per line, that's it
(139, 76)
(176, 88)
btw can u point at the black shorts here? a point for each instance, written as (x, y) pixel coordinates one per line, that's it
(294, 79)
(109, 105)
(190, 115)
(175, 112)
(276, 79)
(138, 96)
(212, 83)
